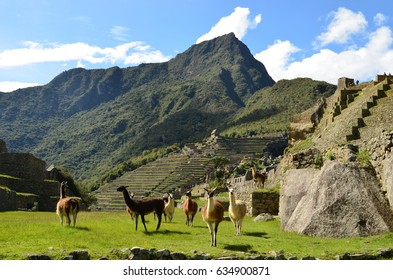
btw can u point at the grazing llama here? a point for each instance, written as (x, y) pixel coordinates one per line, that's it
(237, 210)
(259, 179)
(190, 208)
(67, 205)
(169, 208)
(142, 207)
(212, 214)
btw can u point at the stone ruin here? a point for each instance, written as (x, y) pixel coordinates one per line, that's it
(24, 184)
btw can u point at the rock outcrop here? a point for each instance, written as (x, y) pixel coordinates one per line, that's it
(340, 200)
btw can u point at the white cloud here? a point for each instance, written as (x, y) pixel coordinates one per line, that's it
(11, 86)
(82, 53)
(237, 22)
(362, 63)
(380, 19)
(345, 23)
(277, 57)
(120, 33)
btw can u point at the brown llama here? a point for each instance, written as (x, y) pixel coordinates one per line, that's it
(190, 208)
(67, 205)
(259, 179)
(142, 207)
(212, 214)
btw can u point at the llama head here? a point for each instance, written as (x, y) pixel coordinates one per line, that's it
(188, 193)
(121, 188)
(210, 193)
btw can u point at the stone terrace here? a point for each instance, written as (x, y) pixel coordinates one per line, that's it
(180, 171)
(349, 114)
(154, 179)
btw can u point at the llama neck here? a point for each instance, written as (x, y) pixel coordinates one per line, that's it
(232, 199)
(62, 192)
(210, 204)
(128, 199)
(171, 201)
(253, 171)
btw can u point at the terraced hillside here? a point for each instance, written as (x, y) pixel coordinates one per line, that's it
(356, 114)
(154, 179)
(178, 171)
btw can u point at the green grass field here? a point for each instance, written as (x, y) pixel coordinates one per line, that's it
(23, 233)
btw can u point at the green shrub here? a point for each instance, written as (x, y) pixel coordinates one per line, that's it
(363, 156)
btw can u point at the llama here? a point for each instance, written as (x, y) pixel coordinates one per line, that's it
(67, 205)
(259, 179)
(190, 208)
(143, 207)
(212, 213)
(237, 210)
(169, 208)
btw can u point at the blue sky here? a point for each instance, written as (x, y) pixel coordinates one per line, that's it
(320, 39)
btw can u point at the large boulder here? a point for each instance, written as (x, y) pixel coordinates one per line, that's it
(340, 200)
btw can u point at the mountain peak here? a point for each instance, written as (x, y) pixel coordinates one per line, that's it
(227, 53)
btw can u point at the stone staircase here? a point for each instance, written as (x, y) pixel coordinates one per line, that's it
(348, 110)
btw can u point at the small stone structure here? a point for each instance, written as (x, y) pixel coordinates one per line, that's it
(257, 202)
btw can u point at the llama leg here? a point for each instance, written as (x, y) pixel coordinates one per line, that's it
(159, 220)
(210, 226)
(192, 219)
(143, 221)
(136, 221)
(215, 234)
(68, 219)
(75, 214)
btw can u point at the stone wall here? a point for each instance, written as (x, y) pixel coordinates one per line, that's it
(264, 202)
(258, 202)
(3, 147)
(22, 165)
(13, 201)
(49, 188)
(8, 199)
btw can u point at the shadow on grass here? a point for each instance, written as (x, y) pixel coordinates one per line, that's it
(157, 232)
(257, 234)
(240, 248)
(82, 228)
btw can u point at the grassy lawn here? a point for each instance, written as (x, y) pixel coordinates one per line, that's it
(23, 233)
